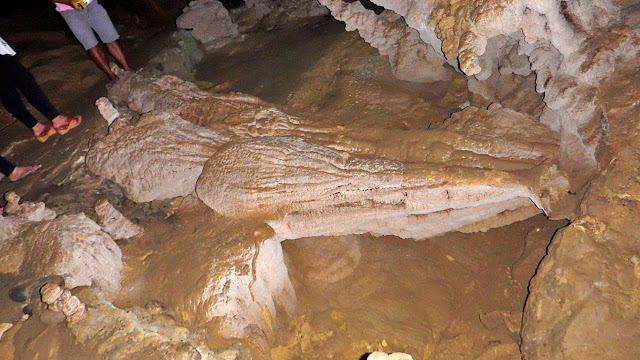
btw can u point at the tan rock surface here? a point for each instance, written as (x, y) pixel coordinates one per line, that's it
(584, 297)
(410, 58)
(323, 186)
(208, 21)
(115, 333)
(114, 223)
(70, 246)
(158, 158)
(230, 279)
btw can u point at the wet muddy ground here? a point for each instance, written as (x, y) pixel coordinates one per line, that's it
(457, 296)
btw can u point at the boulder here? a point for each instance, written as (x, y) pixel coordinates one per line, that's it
(208, 21)
(70, 246)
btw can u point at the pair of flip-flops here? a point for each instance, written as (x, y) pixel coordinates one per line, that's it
(49, 131)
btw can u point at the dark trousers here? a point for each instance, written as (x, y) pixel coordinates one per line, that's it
(6, 168)
(14, 77)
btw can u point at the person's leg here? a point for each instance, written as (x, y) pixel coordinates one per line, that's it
(34, 94)
(11, 71)
(99, 57)
(116, 51)
(6, 167)
(15, 173)
(79, 23)
(12, 102)
(103, 26)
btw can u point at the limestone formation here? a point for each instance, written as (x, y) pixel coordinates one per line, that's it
(231, 279)
(134, 334)
(50, 293)
(178, 55)
(158, 158)
(71, 246)
(58, 299)
(18, 217)
(584, 296)
(571, 46)
(172, 95)
(208, 21)
(114, 223)
(107, 110)
(465, 27)
(524, 142)
(410, 58)
(307, 190)
(28, 211)
(271, 12)
(466, 140)
(477, 170)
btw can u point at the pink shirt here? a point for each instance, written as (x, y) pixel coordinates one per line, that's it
(63, 7)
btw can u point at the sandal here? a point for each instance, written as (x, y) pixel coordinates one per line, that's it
(46, 134)
(75, 121)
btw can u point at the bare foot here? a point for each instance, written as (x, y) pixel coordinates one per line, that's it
(22, 171)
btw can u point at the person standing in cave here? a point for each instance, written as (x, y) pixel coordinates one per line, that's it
(15, 173)
(14, 77)
(83, 18)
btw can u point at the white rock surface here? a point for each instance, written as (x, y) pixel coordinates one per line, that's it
(305, 190)
(160, 157)
(114, 223)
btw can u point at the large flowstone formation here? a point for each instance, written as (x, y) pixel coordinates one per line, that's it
(253, 176)
(405, 177)
(305, 190)
(255, 163)
(477, 170)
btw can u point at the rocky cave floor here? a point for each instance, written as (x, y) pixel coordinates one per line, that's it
(456, 296)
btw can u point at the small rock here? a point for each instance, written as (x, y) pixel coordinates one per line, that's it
(107, 110)
(50, 293)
